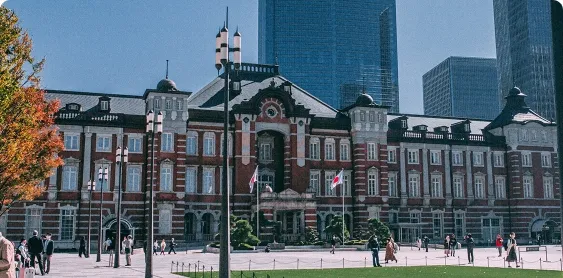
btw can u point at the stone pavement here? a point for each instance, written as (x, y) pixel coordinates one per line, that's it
(70, 265)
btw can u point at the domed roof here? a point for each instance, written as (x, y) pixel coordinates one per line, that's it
(515, 92)
(364, 100)
(166, 85)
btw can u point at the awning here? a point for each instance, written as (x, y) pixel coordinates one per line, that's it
(538, 225)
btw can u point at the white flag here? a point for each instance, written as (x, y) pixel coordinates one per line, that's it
(253, 179)
(337, 180)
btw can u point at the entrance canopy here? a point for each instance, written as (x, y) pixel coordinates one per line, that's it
(538, 225)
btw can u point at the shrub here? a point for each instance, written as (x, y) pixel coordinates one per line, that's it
(244, 246)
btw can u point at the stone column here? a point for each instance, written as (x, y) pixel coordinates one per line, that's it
(490, 179)
(469, 173)
(448, 178)
(52, 188)
(198, 231)
(425, 177)
(116, 174)
(404, 195)
(86, 175)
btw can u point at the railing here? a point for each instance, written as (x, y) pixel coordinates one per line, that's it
(455, 137)
(208, 238)
(258, 68)
(190, 238)
(82, 116)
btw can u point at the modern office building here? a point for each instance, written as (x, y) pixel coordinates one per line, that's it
(322, 45)
(462, 87)
(525, 51)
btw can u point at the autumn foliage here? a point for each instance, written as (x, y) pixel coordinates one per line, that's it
(29, 142)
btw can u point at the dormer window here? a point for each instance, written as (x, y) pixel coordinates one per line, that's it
(422, 128)
(287, 87)
(404, 124)
(73, 107)
(466, 127)
(104, 104)
(236, 85)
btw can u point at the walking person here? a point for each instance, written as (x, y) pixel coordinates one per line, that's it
(390, 250)
(110, 250)
(447, 246)
(82, 248)
(426, 242)
(418, 243)
(35, 247)
(453, 245)
(374, 247)
(128, 247)
(499, 244)
(48, 251)
(172, 245)
(23, 255)
(7, 268)
(470, 245)
(155, 246)
(162, 247)
(333, 244)
(511, 250)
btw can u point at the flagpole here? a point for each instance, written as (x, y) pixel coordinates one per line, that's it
(343, 219)
(258, 210)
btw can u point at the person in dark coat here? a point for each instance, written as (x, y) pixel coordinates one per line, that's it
(426, 242)
(35, 248)
(453, 245)
(82, 248)
(49, 249)
(172, 245)
(470, 245)
(374, 247)
(511, 250)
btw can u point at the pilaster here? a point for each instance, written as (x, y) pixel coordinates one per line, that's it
(490, 179)
(448, 175)
(403, 178)
(86, 163)
(425, 177)
(469, 172)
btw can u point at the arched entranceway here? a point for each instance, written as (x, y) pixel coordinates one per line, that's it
(110, 229)
(544, 230)
(190, 227)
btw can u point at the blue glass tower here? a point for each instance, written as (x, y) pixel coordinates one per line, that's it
(525, 52)
(330, 46)
(462, 87)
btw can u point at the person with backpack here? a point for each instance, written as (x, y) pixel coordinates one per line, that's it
(453, 244)
(511, 250)
(470, 245)
(499, 245)
(373, 245)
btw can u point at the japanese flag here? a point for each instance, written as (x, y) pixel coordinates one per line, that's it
(337, 180)
(253, 179)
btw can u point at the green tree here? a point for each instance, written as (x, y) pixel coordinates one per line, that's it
(241, 234)
(311, 235)
(335, 228)
(29, 142)
(379, 229)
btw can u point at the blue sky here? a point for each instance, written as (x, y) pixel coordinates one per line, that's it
(121, 46)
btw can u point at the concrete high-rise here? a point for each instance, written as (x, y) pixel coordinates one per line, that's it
(325, 44)
(462, 87)
(525, 52)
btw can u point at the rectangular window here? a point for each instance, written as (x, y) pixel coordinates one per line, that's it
(459, 223)
(392, 156)
(71, 142)
(437, 224)
(372, 151)
(67, 224)
(498, 159)
(435, 157)
(414, 217)
(413, 157)
(528, 187)
(265, 152)
(372, 116)
(209, 144)
(104, 105)
(314, 149)
(329, 150)
(134, 145)
(344, 152)
(436, 186)
(191, 177)
(478, 159)
(314, 182)
(156, 103)
(546, 160)
(103, 144)
(479, 187)
(414, 185)
(373, 189)
(70, 177)
(346, 184)
(208, 181)
(329, 176)
(32, 220)
(191, 144)
(393, 217)
(393, 185)
(179, 105)
(526, 160)
(164, 221)
(490, 228)
(166, 178)
(548, 187)
(500, 187)
(168, 104)
(133, 178)
(458, 187)
(167, 142)
(457, 159)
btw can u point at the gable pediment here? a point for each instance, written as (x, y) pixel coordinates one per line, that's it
(291, 108)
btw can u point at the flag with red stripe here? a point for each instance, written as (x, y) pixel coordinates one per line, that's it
(253, 179)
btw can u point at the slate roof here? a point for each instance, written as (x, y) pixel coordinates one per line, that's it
(432, 122)
(126, 104)
(210, 97)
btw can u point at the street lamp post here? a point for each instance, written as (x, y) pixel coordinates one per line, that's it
(152, 128)
(222, 51)
(102, 175)
(91, 187)
(120, 158)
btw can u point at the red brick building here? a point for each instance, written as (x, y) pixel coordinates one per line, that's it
(422, 175)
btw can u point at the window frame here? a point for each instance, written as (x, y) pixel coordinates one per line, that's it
(209, 144)
(315, 148)
(457, 158)
(133, 142)
(478, 159)
(526, 159)
(329, 176)
(315, 186)
(72, 185)
(435, 157)
(458, 189)
(192, 143)
(344, 151)
(104, 139)
(498, 159)
(393, 190)
(436, 188)
(330, 152)
(166, 177)
(392, 155)
(134, 187)
(371, 151)
(74, 139)
(373, 182)
(413, 185)
(548, 191)
(528, 186)
(191, 188)
(479, 186)
(208, 181)
(545, 160)
(500, 187)
(67, 235)
(412, 156)
(167, 142)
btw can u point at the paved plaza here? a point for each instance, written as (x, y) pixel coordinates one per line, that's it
(70, 265)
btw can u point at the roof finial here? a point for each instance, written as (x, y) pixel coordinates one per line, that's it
(166, 69)
(276, 60)
(364, 85)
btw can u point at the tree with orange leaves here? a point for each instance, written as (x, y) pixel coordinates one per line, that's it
(29, 142)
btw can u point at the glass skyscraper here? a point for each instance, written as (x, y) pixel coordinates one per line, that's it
(525, 52)
(330, 46)
(462, 87)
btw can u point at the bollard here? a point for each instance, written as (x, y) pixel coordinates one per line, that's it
(241, 274)
(203, 272)
(253, 275)
(488, 262)
(297, 263)
(249, 264)
(321, 263)
(274, 263)
(540, 264)
(182, 268)
(189, 269)
(177, 263)
(172, 267)
(365, 262)
(342, 262)
(503, 263)
(198, 264)
(445, 260)
(458, 261)
(561, 263)
(426, 260)
(211, 271)
(406, 264)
